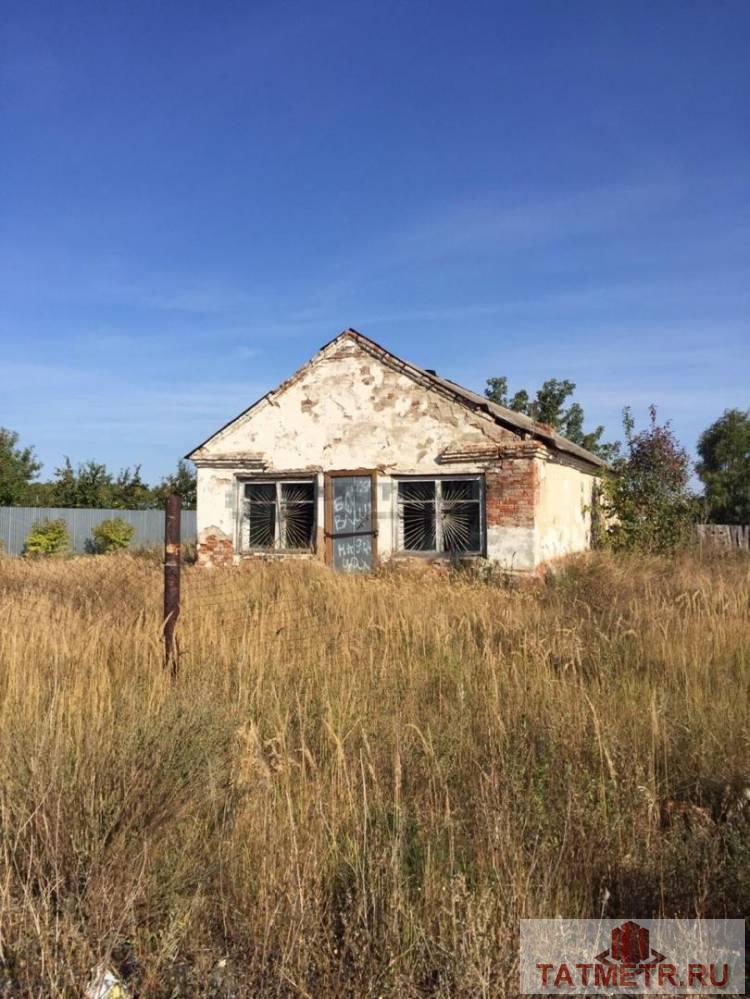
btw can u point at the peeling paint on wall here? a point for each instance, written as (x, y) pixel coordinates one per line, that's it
(351, 410)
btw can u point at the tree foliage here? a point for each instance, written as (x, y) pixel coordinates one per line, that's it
(18, 468)
(90, 484)
(549, 406)
(645, 498)
(181, 483)
(724, 468)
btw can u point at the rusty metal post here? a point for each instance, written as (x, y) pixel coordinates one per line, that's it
(171, 580)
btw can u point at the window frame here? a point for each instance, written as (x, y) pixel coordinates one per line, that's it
(436, 553)
(278, 481)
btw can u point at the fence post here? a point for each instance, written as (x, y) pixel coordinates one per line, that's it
(171, 580)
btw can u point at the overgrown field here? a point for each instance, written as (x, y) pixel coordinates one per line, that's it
(357, 787)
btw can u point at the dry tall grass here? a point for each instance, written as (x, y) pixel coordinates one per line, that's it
(359, 786)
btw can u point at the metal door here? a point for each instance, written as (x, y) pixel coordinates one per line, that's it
(351, 519)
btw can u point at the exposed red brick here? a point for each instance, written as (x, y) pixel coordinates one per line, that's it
(215, 551)
(512, 489)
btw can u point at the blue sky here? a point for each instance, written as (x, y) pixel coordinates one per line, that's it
(194, 197)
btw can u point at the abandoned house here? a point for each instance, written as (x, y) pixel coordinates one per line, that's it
(361, 457)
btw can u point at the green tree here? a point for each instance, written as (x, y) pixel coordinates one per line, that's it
(180, 483)
(549, 406)
(497, 391)
(130, 492)
(645, 496)
(724, 468)
(88, 485)
(18, 468)
(41, 494)
(92, 485)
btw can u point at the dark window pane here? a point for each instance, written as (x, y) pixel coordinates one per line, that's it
(460, 523)
(261, 492)
(297, 514)
(417, 508)
(459, 515)
(418, 524)
(460, 489)
(261, 514)
(416, 492)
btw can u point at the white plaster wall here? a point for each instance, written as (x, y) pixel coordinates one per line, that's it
(216, 499)
(563, 513)
(513, 548)
(350, 410)
(387, 491)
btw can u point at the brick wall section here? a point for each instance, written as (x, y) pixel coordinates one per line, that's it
(511, 492)
(215, 549)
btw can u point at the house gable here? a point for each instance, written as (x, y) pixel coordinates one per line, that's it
(354, 406)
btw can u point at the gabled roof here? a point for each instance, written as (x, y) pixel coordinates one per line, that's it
(518, 422)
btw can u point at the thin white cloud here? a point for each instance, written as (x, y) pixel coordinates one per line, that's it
(503, 224)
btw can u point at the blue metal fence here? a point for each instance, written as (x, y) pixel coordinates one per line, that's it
(17, 521)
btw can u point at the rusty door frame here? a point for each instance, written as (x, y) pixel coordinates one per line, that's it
(328, 508)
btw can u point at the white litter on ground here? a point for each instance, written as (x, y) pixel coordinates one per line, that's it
(105, 985)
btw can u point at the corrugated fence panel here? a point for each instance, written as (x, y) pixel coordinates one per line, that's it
(724, 535)
(17, 521)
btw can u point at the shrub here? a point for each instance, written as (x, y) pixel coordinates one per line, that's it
(112, 535)
(48, 537)
(646, 502)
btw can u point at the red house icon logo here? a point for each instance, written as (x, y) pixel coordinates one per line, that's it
(631, 944)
